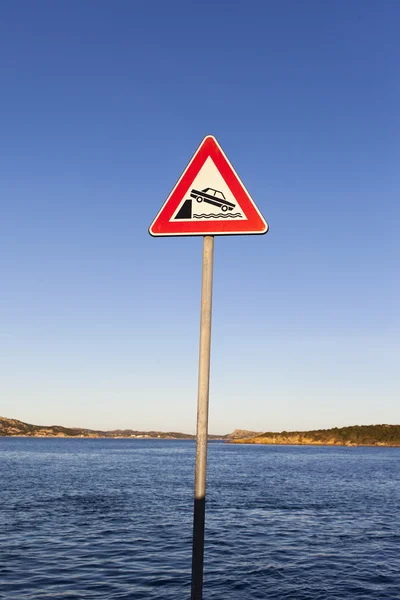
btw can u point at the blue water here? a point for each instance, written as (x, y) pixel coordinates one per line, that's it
(112, 519)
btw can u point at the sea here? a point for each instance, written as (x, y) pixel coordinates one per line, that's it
(110, 519)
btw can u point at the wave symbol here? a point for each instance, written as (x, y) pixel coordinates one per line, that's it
(219, 216)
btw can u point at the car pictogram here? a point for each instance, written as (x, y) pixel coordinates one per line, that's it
(212, 197)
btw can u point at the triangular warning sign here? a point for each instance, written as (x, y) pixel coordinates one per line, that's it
(209, 199)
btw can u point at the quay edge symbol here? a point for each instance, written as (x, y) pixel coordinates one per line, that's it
(209, 199)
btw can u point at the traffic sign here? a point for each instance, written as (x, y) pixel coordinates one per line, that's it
(209, 199)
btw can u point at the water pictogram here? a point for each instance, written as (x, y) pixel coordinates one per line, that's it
(222, 208)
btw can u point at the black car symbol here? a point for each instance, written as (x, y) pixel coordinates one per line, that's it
(212, 197)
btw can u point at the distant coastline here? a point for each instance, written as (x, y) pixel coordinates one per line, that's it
(357, 435)
(16, 428)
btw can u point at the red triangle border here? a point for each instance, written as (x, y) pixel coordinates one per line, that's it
(255, 223)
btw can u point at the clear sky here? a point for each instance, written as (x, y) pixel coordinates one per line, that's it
(102, 104)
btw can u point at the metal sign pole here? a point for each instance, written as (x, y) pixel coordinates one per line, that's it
(202, 419)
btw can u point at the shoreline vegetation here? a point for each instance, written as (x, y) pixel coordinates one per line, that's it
(357, 435)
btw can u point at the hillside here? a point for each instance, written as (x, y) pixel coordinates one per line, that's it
(13, 427)
(357, 435)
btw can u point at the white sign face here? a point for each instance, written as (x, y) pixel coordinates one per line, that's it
(209, 197)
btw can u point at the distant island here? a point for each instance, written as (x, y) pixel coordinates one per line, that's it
(357, 435)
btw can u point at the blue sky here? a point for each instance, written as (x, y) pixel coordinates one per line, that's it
(102, 104)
